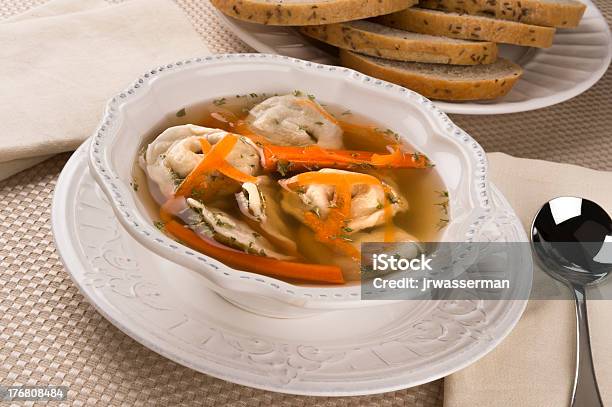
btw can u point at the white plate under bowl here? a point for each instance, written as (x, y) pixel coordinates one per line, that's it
(169, 309)
(577, 60)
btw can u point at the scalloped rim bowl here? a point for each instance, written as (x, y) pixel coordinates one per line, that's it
(163, 91)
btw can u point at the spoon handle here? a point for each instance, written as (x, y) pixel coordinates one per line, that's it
(586, 392)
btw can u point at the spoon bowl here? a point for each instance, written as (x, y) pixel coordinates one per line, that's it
(572, 240)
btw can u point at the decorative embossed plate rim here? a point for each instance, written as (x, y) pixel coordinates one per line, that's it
(117, 137)
(440, 337)
(577, 59)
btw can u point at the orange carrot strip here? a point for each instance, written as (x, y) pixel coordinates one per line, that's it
(256, 264)
(400, 159)
(210, 162)
(387, 159)
(235, 174)
(327, 232)
(227, 169)
(361, 130)
(205, 145)
(306, 157)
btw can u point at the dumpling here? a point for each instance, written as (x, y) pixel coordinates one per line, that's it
(230, 231)
(295, 121)
(367, 200)
(177, 151)
(260, 204)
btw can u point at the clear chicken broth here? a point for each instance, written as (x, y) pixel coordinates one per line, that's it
(425, 192)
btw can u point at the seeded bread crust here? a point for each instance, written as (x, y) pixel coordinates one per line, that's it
(306, 12)
(549, 13)
(374, 39)
(469, 27)
(455, 83)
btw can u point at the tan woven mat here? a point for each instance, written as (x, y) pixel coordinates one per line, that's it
(49, 335)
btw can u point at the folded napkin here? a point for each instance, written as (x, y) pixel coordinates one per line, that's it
(534, 365)
(61, 62)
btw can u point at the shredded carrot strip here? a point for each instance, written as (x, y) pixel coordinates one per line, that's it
(400, 159)
(388, 159)
(205, 145)
(363, 131)
(210, 162)
(214, 160)
(327, 231)
(302, 158)
(235, 174)
(344, 197)
(318, 108)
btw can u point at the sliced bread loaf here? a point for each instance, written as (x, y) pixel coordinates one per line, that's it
(469, 27)
(436, 81)
(307, 12)
(378, 40)
(549, 13)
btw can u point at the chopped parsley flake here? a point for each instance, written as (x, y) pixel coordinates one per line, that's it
(392, 198)
(283, 167)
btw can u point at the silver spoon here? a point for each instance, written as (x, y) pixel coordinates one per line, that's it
(572, 239)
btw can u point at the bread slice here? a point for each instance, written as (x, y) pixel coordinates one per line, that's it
(549, 13)
(469, 27)
(308, 12)
(378, 40)
(436, 81)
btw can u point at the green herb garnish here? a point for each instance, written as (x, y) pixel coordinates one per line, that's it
(283, 167)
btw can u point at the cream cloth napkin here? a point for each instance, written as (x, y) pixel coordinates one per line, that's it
(61, 62)
(534, 365)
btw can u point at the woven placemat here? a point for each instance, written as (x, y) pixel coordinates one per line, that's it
(49, 335)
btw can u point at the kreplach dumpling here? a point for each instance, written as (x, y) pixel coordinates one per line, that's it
(320, 193)
(176, 152)
(295, 121)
